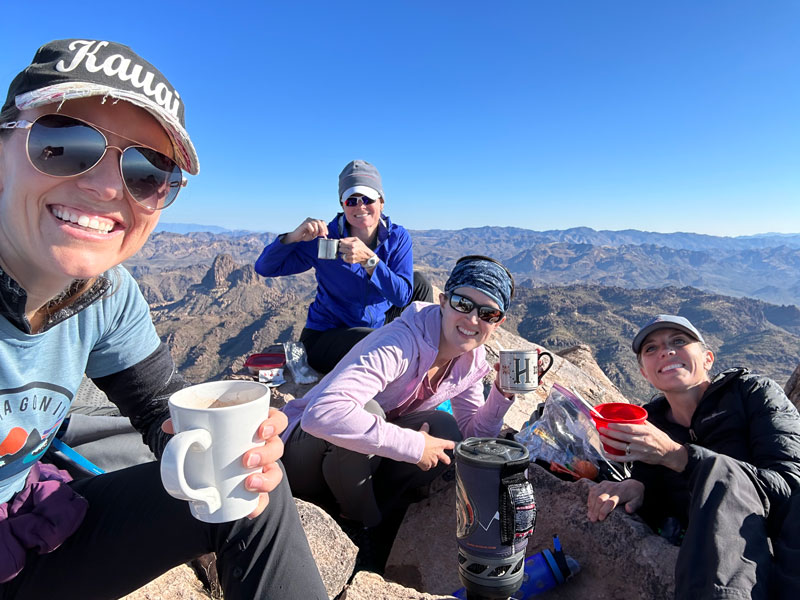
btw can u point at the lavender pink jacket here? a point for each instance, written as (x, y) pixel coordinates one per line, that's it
(388, 366)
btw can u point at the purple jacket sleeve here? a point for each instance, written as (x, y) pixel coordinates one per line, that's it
(479, 418)
(336, 412)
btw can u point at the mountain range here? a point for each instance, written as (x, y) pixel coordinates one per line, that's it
(213, 309)
(766, 267)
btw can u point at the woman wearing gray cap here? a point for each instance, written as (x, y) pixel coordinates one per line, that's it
(368, 282)
(718, 462)
(368, 432)
(92, 147)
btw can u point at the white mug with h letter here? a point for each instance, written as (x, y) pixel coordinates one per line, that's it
(215, 424)
(519, 370)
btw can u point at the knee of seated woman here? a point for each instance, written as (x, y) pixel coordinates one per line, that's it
(443, 425)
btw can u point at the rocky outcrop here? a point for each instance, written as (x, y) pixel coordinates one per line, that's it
(179, 583)
(333, 551)
(369, 586)
(581, 356)
(219, 272)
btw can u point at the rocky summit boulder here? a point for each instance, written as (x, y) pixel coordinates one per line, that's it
(333, 551)
(369, 586)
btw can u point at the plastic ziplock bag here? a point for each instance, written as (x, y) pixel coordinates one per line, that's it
(565, 437)
(297, 361)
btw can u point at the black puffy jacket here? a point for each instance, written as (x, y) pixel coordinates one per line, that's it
(741, 415)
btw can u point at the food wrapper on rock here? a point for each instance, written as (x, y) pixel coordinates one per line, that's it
(564, 436)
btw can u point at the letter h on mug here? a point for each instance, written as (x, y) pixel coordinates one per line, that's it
(519, 370)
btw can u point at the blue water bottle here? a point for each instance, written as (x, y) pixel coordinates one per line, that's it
(545, 570)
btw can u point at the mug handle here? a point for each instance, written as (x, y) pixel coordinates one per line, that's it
(173, 465)
(549, 363)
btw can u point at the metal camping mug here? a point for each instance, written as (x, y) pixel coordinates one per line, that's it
(519, 370)
(327, 248)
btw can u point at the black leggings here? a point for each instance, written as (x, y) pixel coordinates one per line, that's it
(326, 348)
(134, 531)
(361, 487)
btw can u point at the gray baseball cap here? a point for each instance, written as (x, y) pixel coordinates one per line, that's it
(360, 177)
(665, 322)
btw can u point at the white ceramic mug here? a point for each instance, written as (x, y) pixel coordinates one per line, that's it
(327, 248)
(215, 424)
(519, 370)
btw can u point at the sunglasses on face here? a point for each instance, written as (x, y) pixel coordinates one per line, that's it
(356, 200)
(62, 146)
(465, 305)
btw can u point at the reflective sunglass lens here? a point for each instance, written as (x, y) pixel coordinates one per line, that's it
(465, 305)
(461, 304)
(62, 146)
(490, 315)
(354, 201)
(152, 179)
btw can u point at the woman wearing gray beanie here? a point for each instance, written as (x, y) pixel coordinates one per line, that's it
(367, 281)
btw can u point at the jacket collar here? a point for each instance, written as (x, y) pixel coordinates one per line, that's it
(13, 298)
(425, 320)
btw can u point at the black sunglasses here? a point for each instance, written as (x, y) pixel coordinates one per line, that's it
(62, 146)
(355, 200)
(466, 305)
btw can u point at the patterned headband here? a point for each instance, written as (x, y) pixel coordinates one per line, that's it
(483, 274)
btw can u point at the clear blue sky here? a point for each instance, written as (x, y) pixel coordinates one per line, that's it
(661, 116)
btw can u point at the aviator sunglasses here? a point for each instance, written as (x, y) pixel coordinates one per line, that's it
(62, 146)
(466, 305)
(354, 201)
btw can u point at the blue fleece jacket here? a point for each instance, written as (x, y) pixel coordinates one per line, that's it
(346, 295)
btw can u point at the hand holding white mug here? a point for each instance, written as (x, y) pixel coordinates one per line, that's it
(520, 371)
(267, 455)
(222, 460)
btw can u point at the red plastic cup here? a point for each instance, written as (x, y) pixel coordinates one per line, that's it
(617, 412)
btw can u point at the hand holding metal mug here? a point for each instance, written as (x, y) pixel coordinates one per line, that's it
(307, 231)
(353, 250)
(521, 370)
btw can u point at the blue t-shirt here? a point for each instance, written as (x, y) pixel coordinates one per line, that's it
(40, 373)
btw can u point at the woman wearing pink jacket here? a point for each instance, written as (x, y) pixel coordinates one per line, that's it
(368, 433)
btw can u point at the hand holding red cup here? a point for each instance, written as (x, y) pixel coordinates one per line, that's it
(617, 412)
